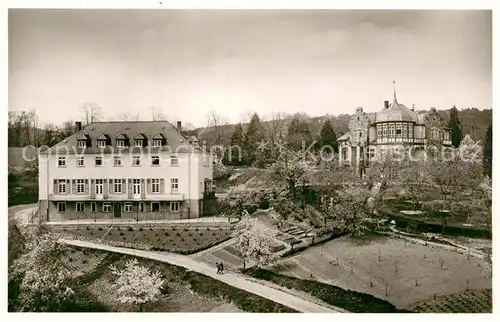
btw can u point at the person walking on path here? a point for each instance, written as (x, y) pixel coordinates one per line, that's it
(218, 267)
(221, 268)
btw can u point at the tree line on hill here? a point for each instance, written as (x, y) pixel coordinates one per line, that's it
(295, 132)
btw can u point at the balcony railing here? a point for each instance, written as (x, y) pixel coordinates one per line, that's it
(118, 197)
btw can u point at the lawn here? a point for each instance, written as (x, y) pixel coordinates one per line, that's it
(185, 240)
(183, 291)
(406, 273)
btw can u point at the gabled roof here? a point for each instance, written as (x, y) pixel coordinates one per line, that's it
(140, 136)
(103, 137)
(158, 136)
(121, 136)
(83, 137)
(132, 129)
(344, 137)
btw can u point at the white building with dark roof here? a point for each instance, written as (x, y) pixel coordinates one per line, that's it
(134, 171)
(396, 129)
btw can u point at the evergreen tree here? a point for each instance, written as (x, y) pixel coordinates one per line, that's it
(328, 137)
(252, 139)
(299, 135)
(236, 146)
(456, 129)
(487, 152)
(237, 137)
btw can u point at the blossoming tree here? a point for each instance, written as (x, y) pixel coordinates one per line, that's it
(136, 284)
(44, 273)
(253, 243)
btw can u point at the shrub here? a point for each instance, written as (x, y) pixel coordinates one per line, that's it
(121, 234)
(130, 229)
(118, 228)
(100, 228)
(88, 228)
(264, 203)
(141, 229)
(178, 234)
(166, 234)
(84, 261)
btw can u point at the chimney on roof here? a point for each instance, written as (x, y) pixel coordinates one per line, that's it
(179, 126)
(413, 107)
(78, 126)
(386, 104)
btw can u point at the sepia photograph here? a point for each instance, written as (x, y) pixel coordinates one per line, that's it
(249, 160)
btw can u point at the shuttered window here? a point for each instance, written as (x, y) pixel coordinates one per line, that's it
(155, 185)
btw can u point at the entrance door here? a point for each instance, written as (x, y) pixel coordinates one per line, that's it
(118, 209)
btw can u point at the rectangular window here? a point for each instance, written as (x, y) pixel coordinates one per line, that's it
(137, 186)
(136, 161)
(80, 207)
(101, 143)
(61, 161)
(174, 160)
(120, 143)
(155, 207)
(141, 206)
(106, 207)
(98, 186)
(117, 161)
(117, 185)
(155, 160)
(82, 144)
(128, 207)
(93, 207)
(80, 186)
(98, 161)
(174, 183)
(156, 143)
(398, 130)
(138, 143)
(61, 206)
(155, 185)
(61, 186)
(79, 161)
(174, 207)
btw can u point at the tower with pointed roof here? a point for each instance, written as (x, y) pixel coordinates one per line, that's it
(393, 130)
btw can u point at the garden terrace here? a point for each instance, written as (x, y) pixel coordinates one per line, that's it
(178, 239)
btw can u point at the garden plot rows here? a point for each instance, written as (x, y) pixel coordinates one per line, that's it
(405, 274)
(173, 239)
(470, 301)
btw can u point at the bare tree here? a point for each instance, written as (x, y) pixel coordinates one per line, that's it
(217, 123)
(157, 114)
(275, 131)
(127, 116)
(91, 111)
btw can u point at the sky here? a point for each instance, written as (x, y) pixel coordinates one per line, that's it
(190, 62)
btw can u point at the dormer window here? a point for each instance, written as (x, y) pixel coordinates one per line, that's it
(120, 143)
(83, 141)
(101, 143)
(138, 143)
(157, 143)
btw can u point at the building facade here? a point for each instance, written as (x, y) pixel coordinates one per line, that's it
(395, 130)
(125, 171)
